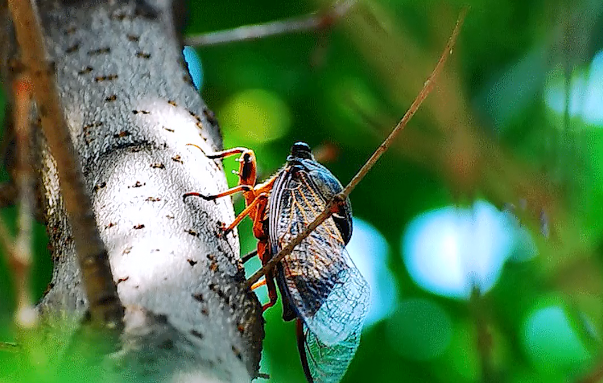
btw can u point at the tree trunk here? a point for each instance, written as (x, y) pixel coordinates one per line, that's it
(131, 108)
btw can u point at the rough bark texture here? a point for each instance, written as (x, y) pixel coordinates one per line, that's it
(131, 108)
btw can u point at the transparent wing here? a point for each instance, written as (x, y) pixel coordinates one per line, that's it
(328, 364)
(323, 284)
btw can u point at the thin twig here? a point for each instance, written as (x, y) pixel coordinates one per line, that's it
(9, 346)
(332, 206)
(26, 315)
(313, 21)
(104, 304)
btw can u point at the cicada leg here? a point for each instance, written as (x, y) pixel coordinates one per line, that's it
(236, 189)
(247, 257)
(222, 154)
(271, 292)
(299, 332)
(268, 279)
(258, 203)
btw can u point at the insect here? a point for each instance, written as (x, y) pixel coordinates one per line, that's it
(319, 285)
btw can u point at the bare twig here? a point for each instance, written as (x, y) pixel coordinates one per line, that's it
(26, 315)
(478, 309)
(332, 206)
(313, 21)
(9, 346)
(104, 304)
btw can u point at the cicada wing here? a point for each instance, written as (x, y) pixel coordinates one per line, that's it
(328, 364)
(323, 284)
(343, 311)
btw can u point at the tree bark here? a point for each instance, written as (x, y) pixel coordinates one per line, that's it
(131, 108)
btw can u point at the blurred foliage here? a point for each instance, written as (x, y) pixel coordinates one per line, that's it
(485, 132)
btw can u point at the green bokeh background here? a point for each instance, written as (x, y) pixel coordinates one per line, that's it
(485, 132)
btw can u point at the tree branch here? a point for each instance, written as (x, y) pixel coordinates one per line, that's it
(105, 307)
(332, 206)
(311, 22)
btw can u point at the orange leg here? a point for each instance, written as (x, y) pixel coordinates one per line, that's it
(259, 283)
(236, 189)
(271, 292)
(251, 207)
(222, 154)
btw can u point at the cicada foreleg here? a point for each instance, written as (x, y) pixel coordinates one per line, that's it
(211, 197)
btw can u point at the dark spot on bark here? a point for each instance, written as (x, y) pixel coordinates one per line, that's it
(172, 103)
(87, 69)
(237, 352)
(69, 31)
(210, 115)
(73, 48)
(241, 328)
(191, 232)
(187, 79)
(109, 77)
(111, 98)
(198, 297)
(138, 184)
(162, 318)
(120, 280)
(199, 125)
(110, 225)
(139, 226)
(133, 38)
(204, 311)
(153, 199)
(211, 257)
(158, 165)
(197, 334)
(143, 55)
(167, 344)
(144, 10)
(99, 51)
(213, 287)
(177, 158)
(141, 112)
(119, 16)
(168, 129)
(122, 134)
(192, 262)
(169, 216)
(97, 187)
(93, 125)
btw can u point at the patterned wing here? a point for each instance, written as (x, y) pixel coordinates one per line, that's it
(320, 280)
(328, 364)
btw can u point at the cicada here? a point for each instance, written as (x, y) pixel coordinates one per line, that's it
(320, 286)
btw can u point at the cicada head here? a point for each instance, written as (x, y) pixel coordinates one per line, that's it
(301, 150)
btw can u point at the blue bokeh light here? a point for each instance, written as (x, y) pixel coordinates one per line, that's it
(585, 93)
(451, 250)
(194, 65)
(368, 249)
